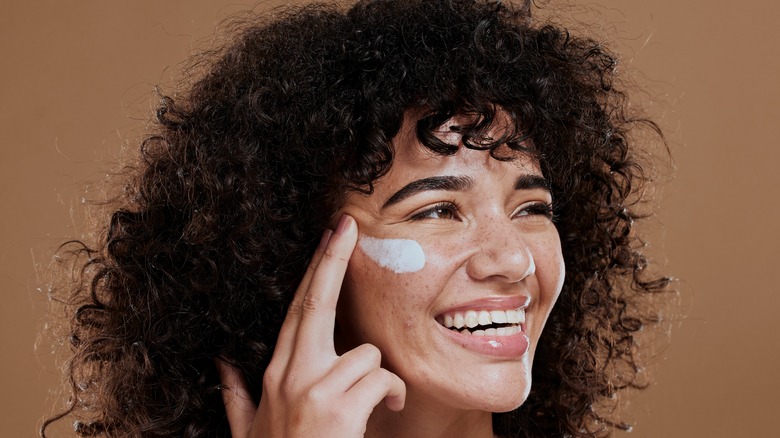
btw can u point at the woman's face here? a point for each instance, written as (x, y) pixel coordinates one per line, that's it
(447, 242)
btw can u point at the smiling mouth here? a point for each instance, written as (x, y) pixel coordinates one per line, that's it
(485, 322)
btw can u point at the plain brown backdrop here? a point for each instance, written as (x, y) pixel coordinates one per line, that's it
(76, 86)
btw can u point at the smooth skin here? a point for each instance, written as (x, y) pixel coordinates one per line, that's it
(483, 241)
(308, 389)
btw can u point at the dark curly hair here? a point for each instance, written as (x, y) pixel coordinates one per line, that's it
(244, 170)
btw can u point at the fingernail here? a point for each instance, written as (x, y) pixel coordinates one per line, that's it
(325, 238)
(344, 223)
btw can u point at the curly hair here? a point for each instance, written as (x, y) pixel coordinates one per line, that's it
(243, 171)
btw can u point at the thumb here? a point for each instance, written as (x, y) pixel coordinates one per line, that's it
(239, 406)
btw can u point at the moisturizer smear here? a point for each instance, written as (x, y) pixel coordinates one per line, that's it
(398, 255)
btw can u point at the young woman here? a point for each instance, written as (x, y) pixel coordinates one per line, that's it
(409, 218)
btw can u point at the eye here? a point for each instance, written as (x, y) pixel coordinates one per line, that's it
(442, 210)
(536, 209)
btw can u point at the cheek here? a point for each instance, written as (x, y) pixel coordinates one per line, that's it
(383, 273)
(393, 279)
(398, 255)
(550, 269)
(373, 297)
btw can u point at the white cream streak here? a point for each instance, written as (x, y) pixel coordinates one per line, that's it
(398, 255)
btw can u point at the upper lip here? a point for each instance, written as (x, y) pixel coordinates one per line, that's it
(489, 303)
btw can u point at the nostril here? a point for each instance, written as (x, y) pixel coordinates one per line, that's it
(531, 267)
(511, 264)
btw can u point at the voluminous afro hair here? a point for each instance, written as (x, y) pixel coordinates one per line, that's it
(243, 171)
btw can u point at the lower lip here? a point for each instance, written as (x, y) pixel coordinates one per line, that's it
(513, 346)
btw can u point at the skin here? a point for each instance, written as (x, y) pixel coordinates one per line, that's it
(484, 241)
(309, 390)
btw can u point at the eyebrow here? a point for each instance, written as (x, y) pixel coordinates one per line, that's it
(459, 183)
(448, 183)
(530, 182)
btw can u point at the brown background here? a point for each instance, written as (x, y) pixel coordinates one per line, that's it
(76, 81)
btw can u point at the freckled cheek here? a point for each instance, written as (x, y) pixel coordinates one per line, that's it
(383, 293)
(550, 269)
(444, 256)
(373, 294)
(363, 280)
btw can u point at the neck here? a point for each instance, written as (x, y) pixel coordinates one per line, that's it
(422, 420)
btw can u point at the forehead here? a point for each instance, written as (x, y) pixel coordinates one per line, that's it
(413, 160)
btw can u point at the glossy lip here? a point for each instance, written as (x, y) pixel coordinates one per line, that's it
(507, 347)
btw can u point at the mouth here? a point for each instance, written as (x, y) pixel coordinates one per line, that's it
(493, 323)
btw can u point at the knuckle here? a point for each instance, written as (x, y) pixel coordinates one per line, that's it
(269, 378)
(370, 353)
(330, 254)
(311, 267)
(310, 303)
(317, 397)
(376, 381)
(387, 381)
(294, 308)
(272, 376)
(383, 377)
(282, 381)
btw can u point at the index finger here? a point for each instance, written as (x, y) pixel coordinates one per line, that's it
(318, 307)
(285, 342)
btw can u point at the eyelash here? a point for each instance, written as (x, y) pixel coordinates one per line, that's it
(540, 208)
(536, 209)
(440, 206)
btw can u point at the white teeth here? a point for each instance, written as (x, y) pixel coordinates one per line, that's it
(458, 321)
(474, 318)
(471, 319)
(515, 316)
(498, 316)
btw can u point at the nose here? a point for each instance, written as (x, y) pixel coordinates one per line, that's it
(503, 254)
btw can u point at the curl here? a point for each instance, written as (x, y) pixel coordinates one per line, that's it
(233, 188)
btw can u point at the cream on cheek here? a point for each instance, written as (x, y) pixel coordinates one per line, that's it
(398, 255)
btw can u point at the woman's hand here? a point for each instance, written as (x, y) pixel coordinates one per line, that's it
(308, 390)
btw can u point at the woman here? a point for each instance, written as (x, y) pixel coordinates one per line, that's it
(435, 165)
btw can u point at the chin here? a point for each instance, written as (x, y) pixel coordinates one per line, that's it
(511, 404)
(506, 401)
(507, 394)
